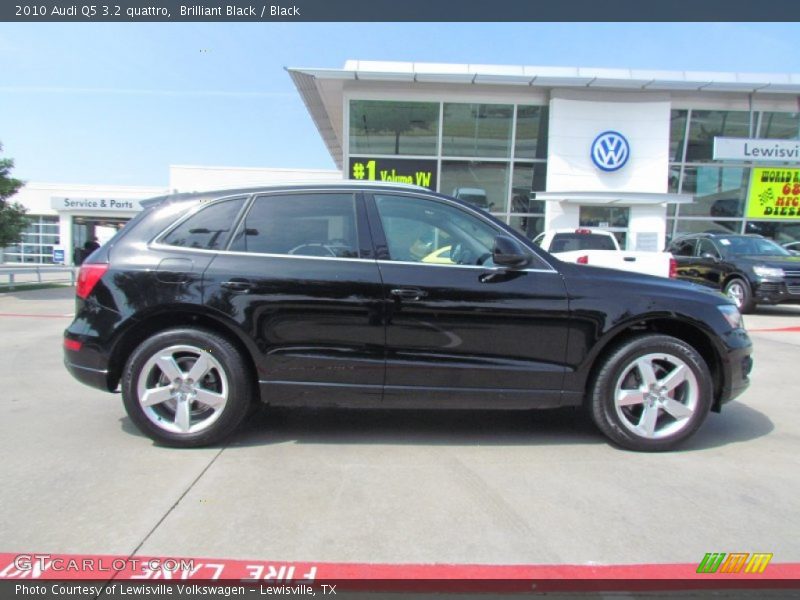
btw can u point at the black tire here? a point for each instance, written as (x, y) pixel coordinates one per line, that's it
(227, 377)
(626, 425)
(743, 298)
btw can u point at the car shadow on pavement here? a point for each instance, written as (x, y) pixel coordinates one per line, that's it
(424, 427)
(564, 426)
(736, 423)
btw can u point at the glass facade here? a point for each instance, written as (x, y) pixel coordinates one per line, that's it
(492, 155)
(720, 188)
(36, 245)
(393, 128)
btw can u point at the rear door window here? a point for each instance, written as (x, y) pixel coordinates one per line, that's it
(303, 224)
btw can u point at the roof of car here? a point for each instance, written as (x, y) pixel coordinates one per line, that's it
(209, 195)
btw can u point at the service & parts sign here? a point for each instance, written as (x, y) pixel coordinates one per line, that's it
(774, 194)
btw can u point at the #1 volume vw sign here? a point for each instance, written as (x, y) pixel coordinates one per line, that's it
(610, 151)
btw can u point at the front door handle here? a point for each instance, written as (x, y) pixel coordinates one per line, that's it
(408, 293)
(238, 285)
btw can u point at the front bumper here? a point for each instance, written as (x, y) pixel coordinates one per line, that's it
(777, 292)
(737, 363)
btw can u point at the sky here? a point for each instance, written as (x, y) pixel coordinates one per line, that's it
(116, 104)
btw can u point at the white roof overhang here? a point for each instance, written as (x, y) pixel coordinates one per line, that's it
(321, 89)
(618, 198)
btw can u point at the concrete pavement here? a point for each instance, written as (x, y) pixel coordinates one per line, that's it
(392, 487)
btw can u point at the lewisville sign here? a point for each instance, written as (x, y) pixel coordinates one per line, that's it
(756, 149)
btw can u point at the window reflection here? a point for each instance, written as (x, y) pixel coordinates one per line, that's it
(532, 123)
(705, 125)
(477, 130)
(381, 127)
(718, 191)
(783, 126)
(482, 184)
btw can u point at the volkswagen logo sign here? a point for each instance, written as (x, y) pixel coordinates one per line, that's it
(610, 151)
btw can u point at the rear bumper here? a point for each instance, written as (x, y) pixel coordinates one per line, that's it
(96, 378)
(89, 364)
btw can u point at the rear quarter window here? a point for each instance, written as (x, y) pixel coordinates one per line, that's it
(207, 229)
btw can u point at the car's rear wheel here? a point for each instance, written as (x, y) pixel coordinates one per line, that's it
(186, 387)
(739, 291)
(651, 393)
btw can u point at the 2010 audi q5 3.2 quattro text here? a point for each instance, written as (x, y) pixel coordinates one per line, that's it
(322, 295)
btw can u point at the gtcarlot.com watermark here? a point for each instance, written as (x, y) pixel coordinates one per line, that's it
(35, 564)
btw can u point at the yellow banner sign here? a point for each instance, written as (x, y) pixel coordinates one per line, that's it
(774, 194)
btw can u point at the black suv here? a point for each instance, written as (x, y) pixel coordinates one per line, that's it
(370, 295)
(749, 269)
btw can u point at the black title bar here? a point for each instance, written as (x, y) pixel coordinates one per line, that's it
(399, 10)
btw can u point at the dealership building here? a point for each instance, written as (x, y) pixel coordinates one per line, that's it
(646, 154)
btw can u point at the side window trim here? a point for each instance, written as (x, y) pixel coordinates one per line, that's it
(239, 221)
(366, 244)
(376, 229)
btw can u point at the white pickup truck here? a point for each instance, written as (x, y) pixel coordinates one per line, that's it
(600, 249)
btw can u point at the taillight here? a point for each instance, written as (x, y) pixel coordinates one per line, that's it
(583, 231)
(72, 344)
(673, 268)
(583, 260)
(88, 277)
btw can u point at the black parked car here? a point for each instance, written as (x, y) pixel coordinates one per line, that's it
(320, 295)
(749, 269)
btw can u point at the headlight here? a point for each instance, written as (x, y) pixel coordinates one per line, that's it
(732, 315)
(763, 271)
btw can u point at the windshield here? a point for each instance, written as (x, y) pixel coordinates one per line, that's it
(750, 246)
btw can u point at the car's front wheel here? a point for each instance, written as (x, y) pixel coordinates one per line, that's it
(739, 291)
(186, 387)
(651, 393)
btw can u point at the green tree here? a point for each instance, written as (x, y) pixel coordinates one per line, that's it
(12, 214)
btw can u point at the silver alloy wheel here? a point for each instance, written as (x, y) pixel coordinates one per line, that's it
(656, 395)
(182, 389)
(735, 291)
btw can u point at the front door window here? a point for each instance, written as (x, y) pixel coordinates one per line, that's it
(426, 231)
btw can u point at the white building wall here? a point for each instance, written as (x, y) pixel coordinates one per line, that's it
(576, 118)
(575, 121)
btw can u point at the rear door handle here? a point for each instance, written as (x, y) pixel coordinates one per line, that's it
(408, 293)
(238, 285)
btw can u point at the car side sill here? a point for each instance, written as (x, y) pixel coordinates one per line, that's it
(320, 394)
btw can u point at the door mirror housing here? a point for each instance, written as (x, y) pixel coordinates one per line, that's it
(508, 252)
(709, 255)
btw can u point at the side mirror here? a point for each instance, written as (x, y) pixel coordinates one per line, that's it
(710, 256)
(508, 252)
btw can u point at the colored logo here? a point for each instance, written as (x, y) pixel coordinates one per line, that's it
(719, 562)
(610, 151)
